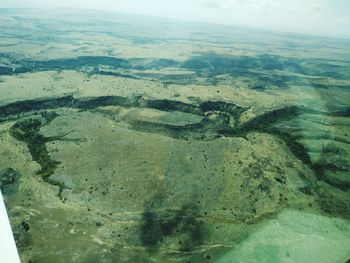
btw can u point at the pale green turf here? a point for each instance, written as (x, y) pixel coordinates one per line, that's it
(295, 237)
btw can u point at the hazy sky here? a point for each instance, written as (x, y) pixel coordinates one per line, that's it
(326, 17)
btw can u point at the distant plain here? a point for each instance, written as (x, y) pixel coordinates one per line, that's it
(137, 139)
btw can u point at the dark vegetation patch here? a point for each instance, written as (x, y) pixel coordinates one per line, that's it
(28, 131)
(201, 108)
(93, 62)
(245, 66)
(34, 105)
(196, 64)
(182, 226)
(344, 112)
(9, 181)
(224, 107)
(261, 68)
(143, 41)
(266, 123)
(21, 234)
(215, 126)
(137, 40)
(207, 129)
(294, 145)
(206, 67)
(77, 63)
(111, 73)
(333, 203)
(170, 105)
(321, 169)
(226, 63)
(12, 70)
(173, 79)
(5, 70)
(329, 86)
(146, 64)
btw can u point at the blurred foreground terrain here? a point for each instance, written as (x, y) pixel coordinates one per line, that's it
(137, 139)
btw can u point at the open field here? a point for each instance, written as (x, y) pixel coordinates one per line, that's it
(136, 139)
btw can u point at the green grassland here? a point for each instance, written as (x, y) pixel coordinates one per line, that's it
(134, 139)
